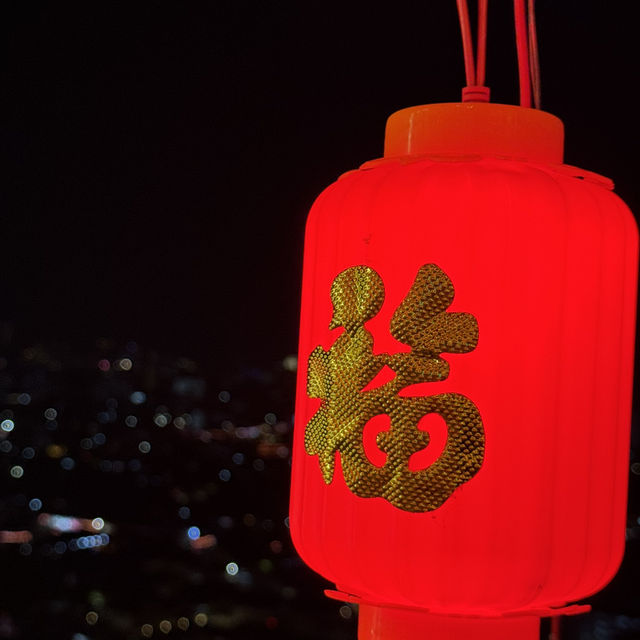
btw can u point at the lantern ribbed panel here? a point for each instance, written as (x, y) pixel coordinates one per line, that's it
(547, 264)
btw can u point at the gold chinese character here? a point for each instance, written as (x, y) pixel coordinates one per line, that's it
(341, 376)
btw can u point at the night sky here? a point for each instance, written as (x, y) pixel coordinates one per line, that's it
(162, 156)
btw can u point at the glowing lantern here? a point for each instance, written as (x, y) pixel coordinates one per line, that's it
(464, 390)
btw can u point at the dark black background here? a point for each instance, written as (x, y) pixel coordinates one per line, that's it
(161, 156)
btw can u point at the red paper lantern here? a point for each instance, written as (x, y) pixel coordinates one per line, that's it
(465, 370)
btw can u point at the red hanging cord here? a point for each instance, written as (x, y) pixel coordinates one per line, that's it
(526, 47)
(481, 58)
(467, 44)
(523, 54)
(534, 60)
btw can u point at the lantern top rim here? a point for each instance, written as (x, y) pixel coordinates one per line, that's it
(475, 128)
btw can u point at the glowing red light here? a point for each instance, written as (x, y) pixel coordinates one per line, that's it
(525, 314)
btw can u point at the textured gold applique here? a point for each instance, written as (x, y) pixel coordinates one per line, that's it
(339, 378)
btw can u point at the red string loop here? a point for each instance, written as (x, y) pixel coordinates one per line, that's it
(467, 44)
(522, 49)
(526, 48)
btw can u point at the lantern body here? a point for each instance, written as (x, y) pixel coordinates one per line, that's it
(544, 258)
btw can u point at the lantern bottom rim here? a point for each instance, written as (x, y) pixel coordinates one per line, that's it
(535, 611)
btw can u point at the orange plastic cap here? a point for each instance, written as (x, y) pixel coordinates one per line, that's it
(475, 128)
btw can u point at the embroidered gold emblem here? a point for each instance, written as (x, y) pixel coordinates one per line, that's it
(341, 376)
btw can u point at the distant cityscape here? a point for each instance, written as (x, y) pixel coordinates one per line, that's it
(143, 499)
